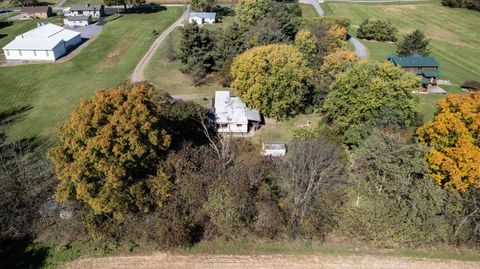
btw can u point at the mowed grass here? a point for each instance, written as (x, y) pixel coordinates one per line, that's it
(54, 90)
(454, 33)
(308, 11)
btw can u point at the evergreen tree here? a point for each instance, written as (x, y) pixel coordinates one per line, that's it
(196, 47)
(414, 43)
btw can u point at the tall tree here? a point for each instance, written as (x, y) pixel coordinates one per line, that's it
(110, 149)
(453, 137)
(202, 5)
(275, 79)
(249, 11)
(196, 47)
(229, 44)
(414, 43)
(23, 2)
(306, 43)
(370, 95)
(123, 3)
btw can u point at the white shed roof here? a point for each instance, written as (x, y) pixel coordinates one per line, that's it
(232, 110)
(45, 37)
(203, 15)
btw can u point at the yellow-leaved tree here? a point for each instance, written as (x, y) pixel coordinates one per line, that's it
(110, 149)
(454, 137)
(276, 79)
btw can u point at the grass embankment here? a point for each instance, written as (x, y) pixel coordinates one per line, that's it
(453, 32)
(52, 91)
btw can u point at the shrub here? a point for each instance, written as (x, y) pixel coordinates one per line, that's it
(372, 29)
(470, 4)
(472, 85)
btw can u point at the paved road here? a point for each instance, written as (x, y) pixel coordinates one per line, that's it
(138, 73)
(360, 49)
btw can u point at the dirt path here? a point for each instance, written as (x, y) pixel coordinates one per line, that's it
(138, 73)
(163, 260)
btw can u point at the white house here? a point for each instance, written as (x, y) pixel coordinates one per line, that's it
(274, 149)
(232, 115)
(47, 42)
(77, 20)
(96, 11)
(202, 17)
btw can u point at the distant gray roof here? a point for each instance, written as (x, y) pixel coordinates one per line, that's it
(275, 145)
(86, 7)
(253, 115)
(77, 18)
(204, 15)
(35, 9)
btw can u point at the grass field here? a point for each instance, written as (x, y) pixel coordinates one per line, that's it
(454, 33)
(51, 91)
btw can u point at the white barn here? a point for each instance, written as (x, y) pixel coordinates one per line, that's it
(47, 42)
(202, 17)
(77, 20)
(232, 115)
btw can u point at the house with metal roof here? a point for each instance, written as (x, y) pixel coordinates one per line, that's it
(36, 12)
(202, 17)
(47, 42)
(232, 115)
(96, 11)
(424, 66)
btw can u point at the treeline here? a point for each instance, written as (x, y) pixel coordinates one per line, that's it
(470, 4)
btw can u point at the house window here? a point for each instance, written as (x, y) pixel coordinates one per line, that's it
(223, 125)
(239, 125)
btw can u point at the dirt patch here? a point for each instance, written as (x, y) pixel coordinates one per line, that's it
(114, 56)
(399, 8)
(163, 260)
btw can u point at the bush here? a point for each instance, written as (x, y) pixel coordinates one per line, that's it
(472, 85)
(372, 29)
(470, 4)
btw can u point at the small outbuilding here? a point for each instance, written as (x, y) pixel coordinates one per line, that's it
(36, 12)
(96, 11)
(202, 17)
(77, 20)
(276, 149)
(47, 42)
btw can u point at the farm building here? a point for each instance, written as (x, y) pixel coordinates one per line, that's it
(96, 11)
(274, 149)
(77, 20)
(36, 12)
(202, 17)
(424, 66)
(232, 115)
(47, 42)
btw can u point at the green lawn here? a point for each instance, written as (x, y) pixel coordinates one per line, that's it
(308, 11)
(54, 90)
(454, 33)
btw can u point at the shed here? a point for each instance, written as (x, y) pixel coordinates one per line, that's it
(274, 149)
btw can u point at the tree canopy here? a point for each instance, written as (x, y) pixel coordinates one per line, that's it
(453, 137)
(379, 30)
(202, 5)
(196, 47)
(370, 95)
(249, 11)
(275, 79)
(414, 43)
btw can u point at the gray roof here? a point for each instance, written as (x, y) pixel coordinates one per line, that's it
(86, 7)
(274, 145)
(35, 9)
(204, 15)
(78, 18)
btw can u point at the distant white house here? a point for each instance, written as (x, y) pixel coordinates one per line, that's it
(96, 11)
(47, 42)
(202, 17)
(274, 149)
(77, 20)
(232, 115)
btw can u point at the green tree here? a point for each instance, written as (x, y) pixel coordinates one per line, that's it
(275, 79)
(202, 5)
(249, 11)
(110, 148)
(229, 43)
(414, 43)
(306, 43)
(288, 16)
(266, 31)
(123, 2)
(23, 2)
(372, 29)
(196, 47)
(370, 95)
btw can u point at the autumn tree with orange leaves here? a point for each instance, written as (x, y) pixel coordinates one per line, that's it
(111, 148)
(454, 137)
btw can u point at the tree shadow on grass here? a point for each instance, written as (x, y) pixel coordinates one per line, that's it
(20, 253)
(14, 114)
(145, 9)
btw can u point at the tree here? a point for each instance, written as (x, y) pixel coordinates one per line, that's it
(275, 79)
(229, 43)
(306, 43)
(202, 5)
(288, 16)
(196, 47)
(309, 166)
(23, 2)
(414, 43)
(372, 29)
(110, 149)
(337, 63)
(470, 4)
(370, 95)
(249, 11)
(330, 33)
(453, 140)
(266, 31)
(123, 2)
